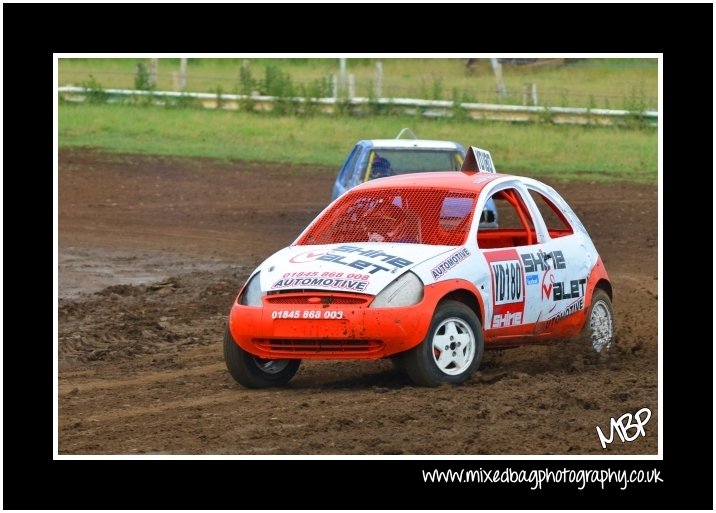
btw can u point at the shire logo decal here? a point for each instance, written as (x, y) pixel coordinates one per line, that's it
(507, 282)
(540, 261)
(377, 260)
(506, 320)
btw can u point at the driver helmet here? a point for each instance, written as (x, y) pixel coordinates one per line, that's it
(380, 168)
(387, 222)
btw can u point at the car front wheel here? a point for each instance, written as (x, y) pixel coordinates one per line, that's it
(254, 372)
(452, 349)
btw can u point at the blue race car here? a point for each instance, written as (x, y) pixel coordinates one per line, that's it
(377, 158)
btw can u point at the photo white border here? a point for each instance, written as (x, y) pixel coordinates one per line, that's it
(659, 414)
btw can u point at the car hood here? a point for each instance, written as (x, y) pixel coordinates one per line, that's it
(366, 267)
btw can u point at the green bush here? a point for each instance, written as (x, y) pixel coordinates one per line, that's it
(142, 80)
(437, 89)
(636, 104)
(94, 92)
(319, 88)
(246, 87)
(277, 83)
(459, 113)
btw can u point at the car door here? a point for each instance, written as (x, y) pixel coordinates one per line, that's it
(527, 268)
(561, 269)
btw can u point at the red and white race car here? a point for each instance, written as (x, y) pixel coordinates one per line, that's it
(400, 267)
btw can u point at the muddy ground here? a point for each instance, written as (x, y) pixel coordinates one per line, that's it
(152, 251)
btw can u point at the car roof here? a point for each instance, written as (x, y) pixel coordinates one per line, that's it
(426, 144)
(462, 180)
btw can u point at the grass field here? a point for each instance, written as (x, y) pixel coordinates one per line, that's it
(565, 152)
(596, 83)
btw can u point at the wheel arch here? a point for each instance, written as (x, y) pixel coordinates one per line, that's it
(468, 298)
(606, 286)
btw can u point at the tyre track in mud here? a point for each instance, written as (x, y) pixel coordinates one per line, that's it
(141, 368)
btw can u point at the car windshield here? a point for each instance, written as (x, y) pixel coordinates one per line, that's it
(415, 160)
(408, 215)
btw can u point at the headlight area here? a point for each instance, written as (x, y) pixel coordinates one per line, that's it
(405, 291)
(251, 296)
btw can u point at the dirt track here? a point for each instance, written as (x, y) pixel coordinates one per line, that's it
(152, 251)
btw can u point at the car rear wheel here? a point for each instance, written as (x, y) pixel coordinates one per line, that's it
(599, 328)
(451, 351)
(254, 372)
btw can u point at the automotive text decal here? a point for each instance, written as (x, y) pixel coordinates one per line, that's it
(569, 310)
(449, 263)
(333, 283)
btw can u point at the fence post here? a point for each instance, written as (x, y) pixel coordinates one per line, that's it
(182, 74)
(334, 83)
(497, 68)
(351, 86)
(153, 70)
(529, 94)
(378, 83)
(342, 76)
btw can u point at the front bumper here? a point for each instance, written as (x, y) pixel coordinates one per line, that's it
(326, 325)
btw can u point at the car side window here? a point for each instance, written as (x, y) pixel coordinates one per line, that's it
(347, 172)
(557, 224)
(516, 227)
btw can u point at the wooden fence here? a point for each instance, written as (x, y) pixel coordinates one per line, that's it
(358, 105)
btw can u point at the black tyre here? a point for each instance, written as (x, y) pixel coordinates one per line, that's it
(254, 372)
(398, 361)
(599, 328)
(452, 349)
